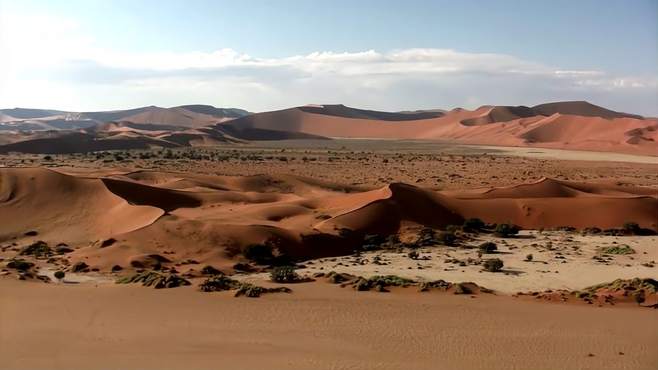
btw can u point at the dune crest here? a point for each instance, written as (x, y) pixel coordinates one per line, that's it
(211, 218)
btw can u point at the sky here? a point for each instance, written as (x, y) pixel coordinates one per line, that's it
(83, 55)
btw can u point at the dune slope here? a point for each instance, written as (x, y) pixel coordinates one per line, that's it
(212, 218)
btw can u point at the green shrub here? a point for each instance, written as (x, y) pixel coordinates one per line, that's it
(426, 237)
(488, 247)
(154, 279)
(493, 265)
(19, 264)
(506, 230)
(529, 257)
(447, 238)
(284, 274)
(37, 249)
(473, 224)
(218, 283)
(618, 249)
(381, 282)
(254, 291)
(59, 275)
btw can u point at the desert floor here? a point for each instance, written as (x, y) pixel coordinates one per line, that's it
(88, 322)
(318, 326)
(430, 164)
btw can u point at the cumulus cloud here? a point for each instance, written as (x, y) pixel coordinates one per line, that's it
(51, 63)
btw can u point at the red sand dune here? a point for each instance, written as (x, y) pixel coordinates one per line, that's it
(567, 125)
(64, 207)
(211, 218)
(561, 125)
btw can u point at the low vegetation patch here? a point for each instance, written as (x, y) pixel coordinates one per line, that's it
(493, 265)
(338, 278)
(209, 270)
(254, 291)
(647, 285)
(506, 230)
(426, 286)
(380, 283)
(154, 279)
(488, 247)
(37, 249)
(618, 249)
(473, 225)
(427, 237)
(284, 274)
(19, 264)
(637, 289)
(220, 283)
(448, 238)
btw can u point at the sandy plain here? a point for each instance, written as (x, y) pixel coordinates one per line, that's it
(92, 323)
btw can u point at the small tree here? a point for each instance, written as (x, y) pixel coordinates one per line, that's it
(59, 275)
(284, 274)
(488, 247)
(493, 265)
(447, 238)
(506, 230)
(529, 257)
(632, 227)
(473, 224)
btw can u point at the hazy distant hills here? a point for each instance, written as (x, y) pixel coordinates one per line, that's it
(569, 125)
(47, 119)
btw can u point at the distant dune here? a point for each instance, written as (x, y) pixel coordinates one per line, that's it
(564, 125)
(573, 125)
(580, 108)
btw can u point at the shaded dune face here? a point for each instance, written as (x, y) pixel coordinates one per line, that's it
(212, 218)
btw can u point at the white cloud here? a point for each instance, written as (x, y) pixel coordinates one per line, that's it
(51, 63)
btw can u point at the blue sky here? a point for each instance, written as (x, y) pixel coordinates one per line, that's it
(389, 55)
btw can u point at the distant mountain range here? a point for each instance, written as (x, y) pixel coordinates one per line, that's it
(569, 125)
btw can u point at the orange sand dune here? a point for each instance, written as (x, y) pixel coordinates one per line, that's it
(172, 116)
(211, 218)
(65, 208)
(567, 125)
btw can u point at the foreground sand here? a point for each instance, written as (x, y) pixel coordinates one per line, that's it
(318, 326)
